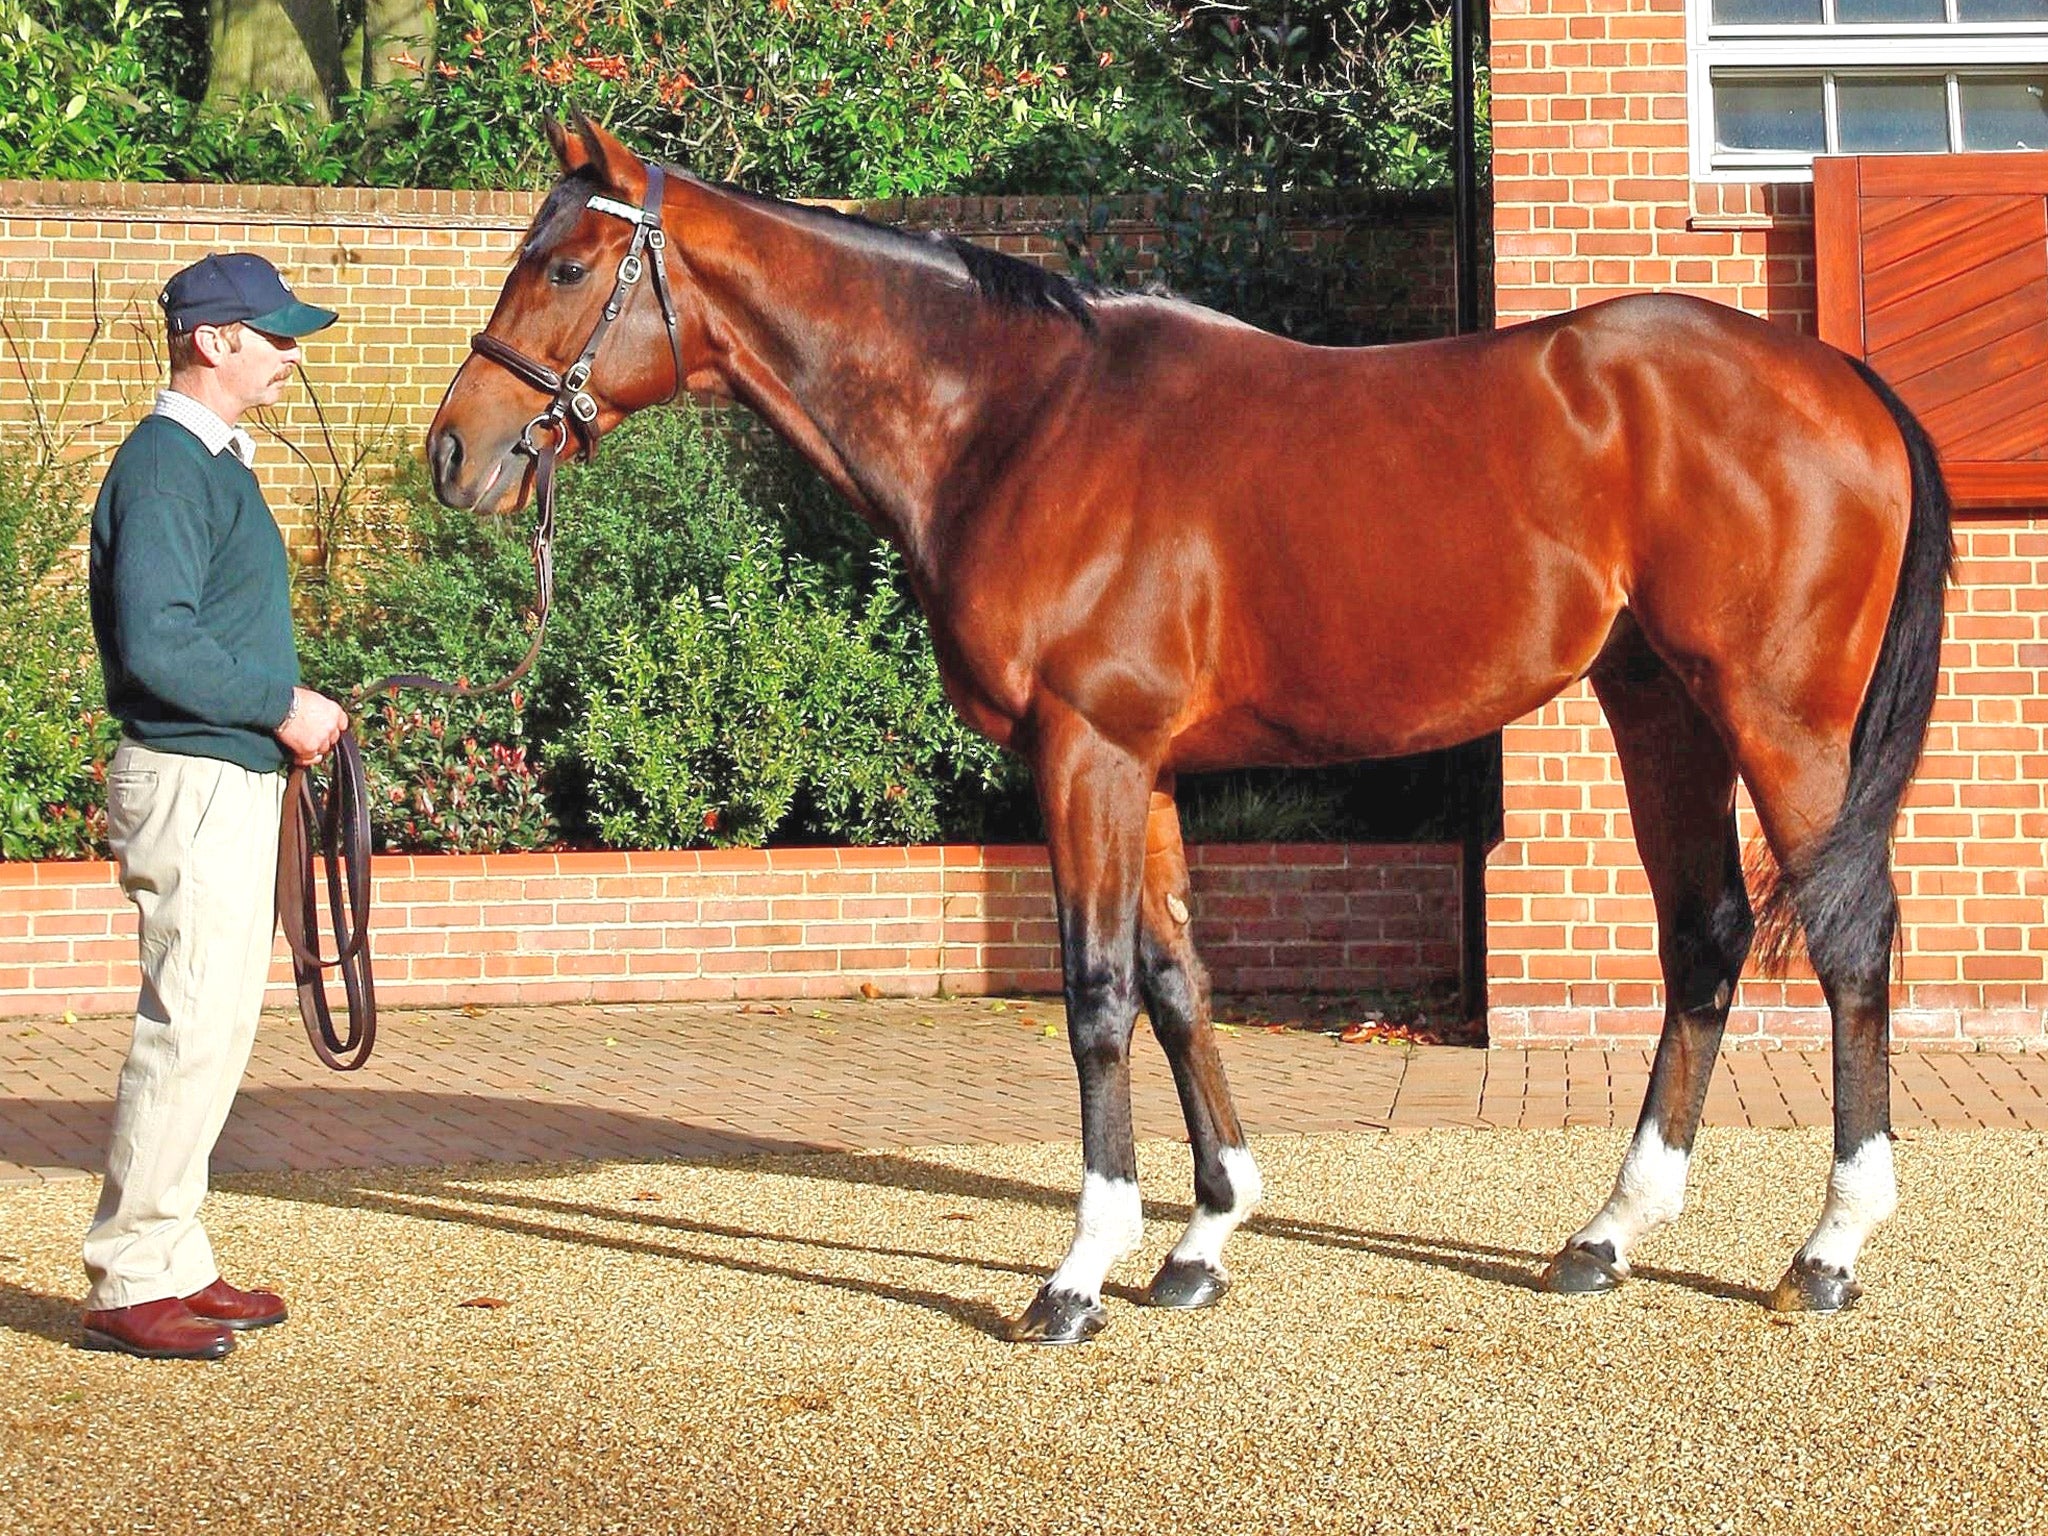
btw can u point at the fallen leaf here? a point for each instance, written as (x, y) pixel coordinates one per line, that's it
(69, 1017)
(824, 1033)
(1272, 1029)
(819, 1013)
(1226, 1029)
(1051, 1030)
(869, 989)
(928, 1023)
(998, 1006)
(472, 1010)
(608, 1040)
(957, 1216)
(647, 1194)
(488, 1303)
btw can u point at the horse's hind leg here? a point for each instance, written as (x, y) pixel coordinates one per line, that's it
(1681, 797)
(1843, 897)
(1176, 993)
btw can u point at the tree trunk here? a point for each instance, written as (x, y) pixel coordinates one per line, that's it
(275, 48)
(390, 27)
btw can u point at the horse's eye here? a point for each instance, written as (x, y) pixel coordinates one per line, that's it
(566, 273)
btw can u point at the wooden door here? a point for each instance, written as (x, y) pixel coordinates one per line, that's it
(1935, 269)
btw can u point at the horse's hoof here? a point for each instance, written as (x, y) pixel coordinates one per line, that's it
(1059, 1317)
(1186, 1284)
(1809, 1287)
(1584, 1271)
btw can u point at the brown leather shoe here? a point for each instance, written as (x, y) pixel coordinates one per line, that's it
(222, 1303)
(157, 1330)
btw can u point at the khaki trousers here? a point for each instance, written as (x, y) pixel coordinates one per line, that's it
(196, 840)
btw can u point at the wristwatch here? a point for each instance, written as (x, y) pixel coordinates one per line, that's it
(290, 710)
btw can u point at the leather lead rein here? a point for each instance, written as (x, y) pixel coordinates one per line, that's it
(335, 825)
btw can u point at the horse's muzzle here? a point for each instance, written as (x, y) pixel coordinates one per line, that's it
(469, 482)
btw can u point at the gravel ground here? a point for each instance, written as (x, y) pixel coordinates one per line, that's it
(806, 1345)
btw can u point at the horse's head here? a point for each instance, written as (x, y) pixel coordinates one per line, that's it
(549, 347)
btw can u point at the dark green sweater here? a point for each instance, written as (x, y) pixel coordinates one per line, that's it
(191, 600)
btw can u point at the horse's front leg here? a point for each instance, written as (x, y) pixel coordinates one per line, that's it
(1176, 993)
(1093, 795)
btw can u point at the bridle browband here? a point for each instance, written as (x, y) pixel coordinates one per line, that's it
(337, 826)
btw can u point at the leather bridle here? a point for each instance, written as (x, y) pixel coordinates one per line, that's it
(336, 825)
(570, 400)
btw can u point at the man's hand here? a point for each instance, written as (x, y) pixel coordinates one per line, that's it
(312, 728)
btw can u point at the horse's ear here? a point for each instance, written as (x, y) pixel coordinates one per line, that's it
(620, 167)
(569, 149)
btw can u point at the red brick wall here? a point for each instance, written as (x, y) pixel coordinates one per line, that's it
(1592, 189)
(1592, 199)
(814, 922)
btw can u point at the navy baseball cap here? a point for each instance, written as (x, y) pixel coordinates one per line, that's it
(238, 286)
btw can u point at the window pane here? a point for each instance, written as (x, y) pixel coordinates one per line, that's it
(1736, 13)
(1769, 114)
(2002, 10)
(1896, 115)
(2005, 114)
(1890, 10)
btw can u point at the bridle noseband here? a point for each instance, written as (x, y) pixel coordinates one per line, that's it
(336, 827)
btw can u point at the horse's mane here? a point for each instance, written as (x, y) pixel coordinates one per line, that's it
(1000, 279)
(1005, 280)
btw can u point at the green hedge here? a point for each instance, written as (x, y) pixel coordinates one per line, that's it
(732, 659)
(855, 98)
(55, 736)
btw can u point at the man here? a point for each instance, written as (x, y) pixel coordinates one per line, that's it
(191, 609)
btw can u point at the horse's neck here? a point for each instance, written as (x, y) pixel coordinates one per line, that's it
(880, 370)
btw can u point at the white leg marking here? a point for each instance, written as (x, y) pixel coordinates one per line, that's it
(1861, 1193)
(1202, 1243)
(1109, 1224)
(1648, 1192)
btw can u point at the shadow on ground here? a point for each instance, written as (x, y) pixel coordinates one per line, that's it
(542, 1139)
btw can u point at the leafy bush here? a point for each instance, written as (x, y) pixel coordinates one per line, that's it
(860, 98)
(79, 99)
(875, 98)
(55, 736)
(1289, 95)
(768, 701)
(452, 776)
(731, 659)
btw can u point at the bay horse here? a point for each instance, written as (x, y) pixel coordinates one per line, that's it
(1151, 540)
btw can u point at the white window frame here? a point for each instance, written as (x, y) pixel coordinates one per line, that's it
(1977, 48)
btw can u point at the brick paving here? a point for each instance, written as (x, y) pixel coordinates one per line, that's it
(644, 1082)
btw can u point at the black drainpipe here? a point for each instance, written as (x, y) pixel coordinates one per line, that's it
(1481, 775)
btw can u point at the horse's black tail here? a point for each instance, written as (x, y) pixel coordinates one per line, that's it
(1841, 892)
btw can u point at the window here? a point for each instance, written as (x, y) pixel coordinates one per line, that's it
(1776, 82)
